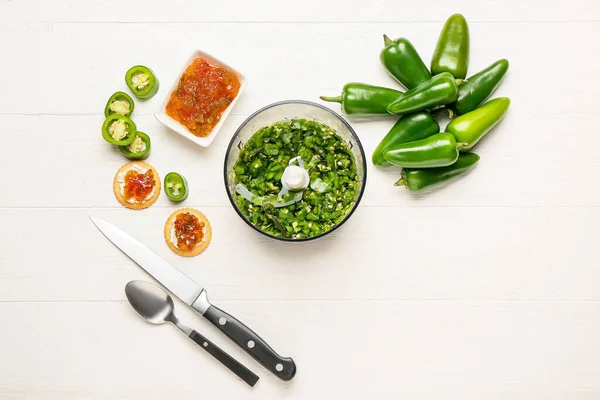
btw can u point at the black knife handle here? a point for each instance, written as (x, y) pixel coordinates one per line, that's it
(235, 366)
(283, 368)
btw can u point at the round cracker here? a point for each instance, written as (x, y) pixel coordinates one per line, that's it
(205, 240)
(117, 187)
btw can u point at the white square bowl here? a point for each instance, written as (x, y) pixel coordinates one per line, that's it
(161, 112)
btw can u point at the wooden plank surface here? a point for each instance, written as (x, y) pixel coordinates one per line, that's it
(350, 349)
(487, 288)
(425, 253)
(81, 66)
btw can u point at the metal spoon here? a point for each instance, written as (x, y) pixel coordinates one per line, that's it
(156, 306)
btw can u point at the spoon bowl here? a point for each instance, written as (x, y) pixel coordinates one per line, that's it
(156, 306)
(151, 302)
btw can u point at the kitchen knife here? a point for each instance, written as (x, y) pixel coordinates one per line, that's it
(195, 296)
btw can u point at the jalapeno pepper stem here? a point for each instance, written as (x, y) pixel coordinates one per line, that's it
(459, 82)
(440, 110)
(386, 40)
(436, 113)
(400, 182)
(335, 99)
(462, 145)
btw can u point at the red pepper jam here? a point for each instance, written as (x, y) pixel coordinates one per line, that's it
(138, 186)
(188, 231)
(203, 94)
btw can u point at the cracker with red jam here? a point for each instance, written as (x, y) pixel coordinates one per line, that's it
(136, 185)
(187, 232)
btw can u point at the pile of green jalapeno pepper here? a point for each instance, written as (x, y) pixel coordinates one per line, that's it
(427, 154)
(118, 128)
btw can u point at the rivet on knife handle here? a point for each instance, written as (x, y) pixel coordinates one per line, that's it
(283, 368)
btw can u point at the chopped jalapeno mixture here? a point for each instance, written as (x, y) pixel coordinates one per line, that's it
(332, 170)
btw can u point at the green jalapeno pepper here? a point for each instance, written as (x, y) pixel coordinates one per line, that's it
(437, 150)
(119, 103)
(408, 128)
(363, 99)
(471, 127)
(479, 87)
(452, 50)
(438, 91)
(416, 179)
(142, 82)
(176, 187)
(118, 129)
(403, 62)
(139, 149)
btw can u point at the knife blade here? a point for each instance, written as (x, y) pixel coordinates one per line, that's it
(195, 296)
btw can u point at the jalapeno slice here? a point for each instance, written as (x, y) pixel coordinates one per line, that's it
(176, 187)
(139, 149)
(142, 82)
(119, 103)
(118, 129)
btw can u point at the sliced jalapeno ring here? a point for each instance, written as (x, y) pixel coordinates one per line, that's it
(142, 82)
(139, 149)
(176, 187)
(119, 103)
(118, 129)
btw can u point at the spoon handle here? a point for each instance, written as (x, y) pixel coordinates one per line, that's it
(235, 366)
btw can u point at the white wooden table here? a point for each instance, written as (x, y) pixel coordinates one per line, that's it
(486, 289)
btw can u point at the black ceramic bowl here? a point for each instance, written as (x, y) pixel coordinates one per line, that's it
(287, 110)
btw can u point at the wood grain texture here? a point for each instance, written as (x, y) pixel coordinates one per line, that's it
(351, 349)
(425, 253)
(487, 288)
(79, 64)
